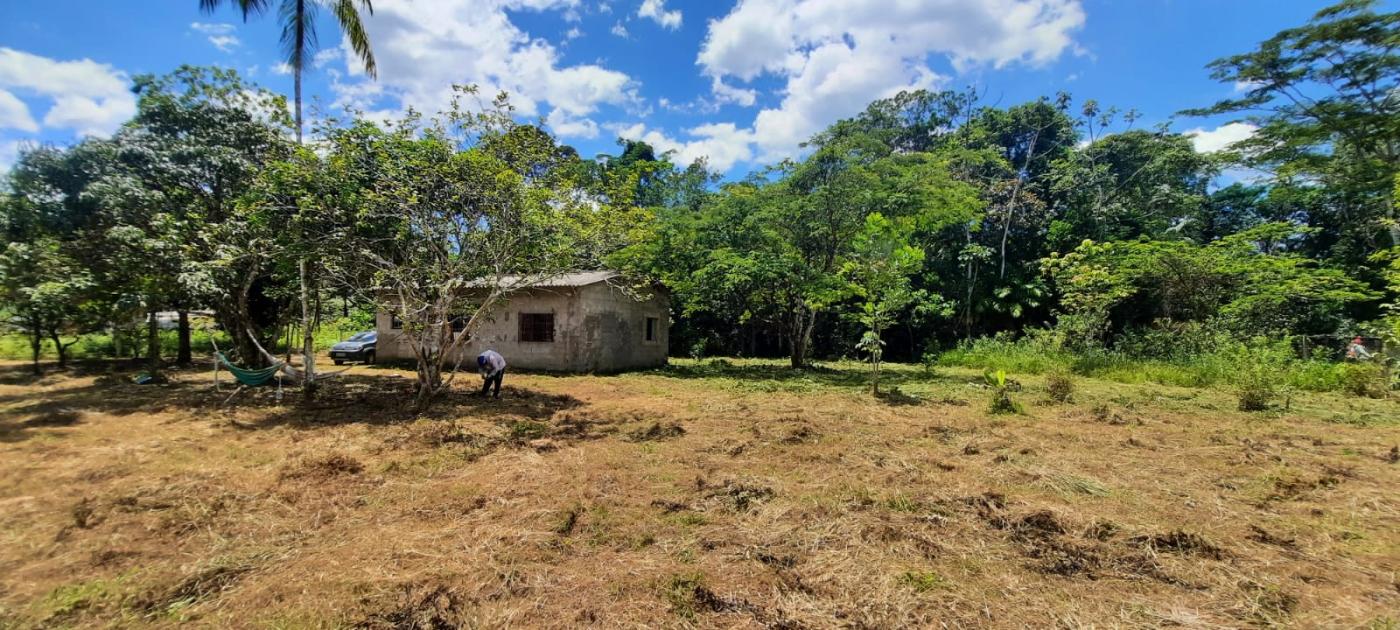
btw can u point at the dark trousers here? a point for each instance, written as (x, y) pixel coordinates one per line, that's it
(496, 379)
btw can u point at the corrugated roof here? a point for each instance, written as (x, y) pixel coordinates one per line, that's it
(554, 281)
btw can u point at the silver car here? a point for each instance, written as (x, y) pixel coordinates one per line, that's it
(360, 348)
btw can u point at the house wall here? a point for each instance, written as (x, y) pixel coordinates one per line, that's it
(597, 328)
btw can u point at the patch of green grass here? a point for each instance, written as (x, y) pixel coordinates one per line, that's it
(684, 592)
(1207, 369)
(526, 430)
(902, 503)
(70, 599)
(921, 581)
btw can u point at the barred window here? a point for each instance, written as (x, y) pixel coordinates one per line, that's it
(537, 327)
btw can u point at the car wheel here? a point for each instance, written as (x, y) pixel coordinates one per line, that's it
(369, 359)
(339, 362)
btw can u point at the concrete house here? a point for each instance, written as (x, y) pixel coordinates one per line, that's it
(577, 322)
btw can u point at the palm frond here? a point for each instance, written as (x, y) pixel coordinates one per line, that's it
(247, 7)
(298, 31)
(354, 28)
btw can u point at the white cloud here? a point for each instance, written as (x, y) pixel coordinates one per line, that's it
(722, 145)
(725, 93)
(282, 68)
(656, 11)
(90, 98)
(213, 28)
(87, 116)
(14, 114)
(424, 47)
(619, 30)
(220, 34)
(324, 56)
(1245, 86)
(9, 154)
(1221, 137)
(835, 56)
(567, 127)
(225, 43)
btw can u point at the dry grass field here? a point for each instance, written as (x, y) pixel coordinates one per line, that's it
(714, 494)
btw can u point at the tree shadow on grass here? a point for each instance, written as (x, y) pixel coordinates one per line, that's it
(348, 399)
(388, 399)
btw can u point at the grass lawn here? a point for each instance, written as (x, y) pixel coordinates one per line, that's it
(719, 493)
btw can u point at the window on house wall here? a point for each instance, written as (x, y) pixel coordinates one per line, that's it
(651, 329)
(537, 327)
(459, 323)
(395, 323)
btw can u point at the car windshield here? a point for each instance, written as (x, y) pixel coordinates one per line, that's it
(364, 336)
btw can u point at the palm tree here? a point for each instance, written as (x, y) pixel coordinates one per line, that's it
(299, 32)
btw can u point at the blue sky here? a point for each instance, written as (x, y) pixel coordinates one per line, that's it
(740, 83)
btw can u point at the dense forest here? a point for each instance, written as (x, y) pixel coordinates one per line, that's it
(926, 222)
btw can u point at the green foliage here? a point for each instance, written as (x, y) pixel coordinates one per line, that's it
(1362, 379)
(1001, 402)
(1247, 280)
(1258, 377)
(879, 273)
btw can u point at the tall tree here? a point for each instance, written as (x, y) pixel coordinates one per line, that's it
(299, 39)
(299, 43)
(440, 231)
(1325, 101)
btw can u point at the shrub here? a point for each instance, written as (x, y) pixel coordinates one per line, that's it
(1001, 393)
(1259, 375)
(1361, 379)
(1059, 386)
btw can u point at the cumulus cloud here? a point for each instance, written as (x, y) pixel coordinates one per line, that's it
(1220, 138)
(14, 114)
(835, 56)
(567, 127)
(424, 47)
(88, 97)
(722, 145)
(619, 30)
(656, 11)
(725, 93)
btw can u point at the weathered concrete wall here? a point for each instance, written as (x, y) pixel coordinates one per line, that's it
(614, 330)
(597, 328)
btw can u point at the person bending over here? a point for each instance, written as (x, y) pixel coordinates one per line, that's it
(493, 369)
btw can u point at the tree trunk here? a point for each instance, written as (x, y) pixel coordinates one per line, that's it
(299, 41)
(184, 356)
(60, 348)
(36, 343)
(152, 344)
(308, 351)
(802, 338)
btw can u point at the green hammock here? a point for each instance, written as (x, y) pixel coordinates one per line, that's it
(251, 378)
